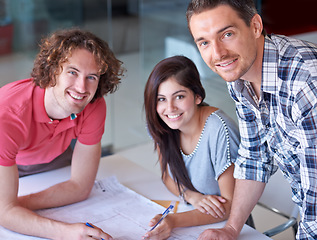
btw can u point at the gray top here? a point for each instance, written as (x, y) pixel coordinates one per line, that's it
(215, 151)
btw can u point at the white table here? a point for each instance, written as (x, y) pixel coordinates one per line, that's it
(129, 174)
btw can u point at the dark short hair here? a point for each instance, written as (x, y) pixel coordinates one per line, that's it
(245, 8)
(57, 48)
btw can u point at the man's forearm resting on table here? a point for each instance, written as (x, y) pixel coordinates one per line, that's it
(58, 195)
(246, 195)
(25, 221)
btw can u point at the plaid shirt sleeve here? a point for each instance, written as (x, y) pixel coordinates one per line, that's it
(254, 161)
(306, 108)
(290, 134)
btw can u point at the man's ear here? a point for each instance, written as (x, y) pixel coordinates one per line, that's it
(257, 25)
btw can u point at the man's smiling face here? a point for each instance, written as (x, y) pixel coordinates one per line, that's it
(75, 86)
(226, 43)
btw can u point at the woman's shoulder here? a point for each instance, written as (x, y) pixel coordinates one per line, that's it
(212, 114)
(207, 111)
(218, 118)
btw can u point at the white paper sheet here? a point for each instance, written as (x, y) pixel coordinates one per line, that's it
(119, 211)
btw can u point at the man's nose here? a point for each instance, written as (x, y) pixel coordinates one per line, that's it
(80, 84)
(218, 51)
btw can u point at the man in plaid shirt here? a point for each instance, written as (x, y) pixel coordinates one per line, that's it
(273, 80)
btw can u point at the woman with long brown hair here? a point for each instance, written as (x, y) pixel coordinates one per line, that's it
(196, 144)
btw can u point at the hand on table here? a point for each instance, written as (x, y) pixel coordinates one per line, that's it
(161, 231)
(210, 204)
(85, 231)
(226, 233)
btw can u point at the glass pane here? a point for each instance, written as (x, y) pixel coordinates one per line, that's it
(164, 34)
(140, 32)
(23, 23)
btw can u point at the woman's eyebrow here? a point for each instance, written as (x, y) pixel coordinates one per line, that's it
(179, 91)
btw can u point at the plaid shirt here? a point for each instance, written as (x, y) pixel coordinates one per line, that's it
(281, 127)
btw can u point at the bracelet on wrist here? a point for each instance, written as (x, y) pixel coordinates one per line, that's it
(182, 194)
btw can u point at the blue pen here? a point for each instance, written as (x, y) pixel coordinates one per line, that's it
(89, 225)
(165, 213)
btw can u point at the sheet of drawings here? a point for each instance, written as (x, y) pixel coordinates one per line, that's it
(114, 208)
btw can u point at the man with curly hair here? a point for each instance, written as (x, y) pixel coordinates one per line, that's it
(39, 117)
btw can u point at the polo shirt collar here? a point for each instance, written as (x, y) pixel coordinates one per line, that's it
(39, 111)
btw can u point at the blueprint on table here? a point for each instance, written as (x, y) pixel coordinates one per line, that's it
(116, 209)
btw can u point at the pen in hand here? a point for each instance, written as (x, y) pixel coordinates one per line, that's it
(89, 225)
(165, 213)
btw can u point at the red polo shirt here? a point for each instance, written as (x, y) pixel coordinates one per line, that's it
(28, 136)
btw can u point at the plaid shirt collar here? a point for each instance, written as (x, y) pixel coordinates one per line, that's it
(269, 67)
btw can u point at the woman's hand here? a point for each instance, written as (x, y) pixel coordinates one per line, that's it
(209, 204)
(161, 231)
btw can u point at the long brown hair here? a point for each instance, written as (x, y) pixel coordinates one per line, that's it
(167, 139)
(57, 48)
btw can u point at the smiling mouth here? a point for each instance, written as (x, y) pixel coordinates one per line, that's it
(75, 96)
(173, 116)
(226, 64)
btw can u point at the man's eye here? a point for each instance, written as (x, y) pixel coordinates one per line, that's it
(228, 34)
(92, 78)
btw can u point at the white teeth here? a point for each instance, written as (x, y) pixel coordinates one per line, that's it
(223, 65)
(76, 96)
(173, 116)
